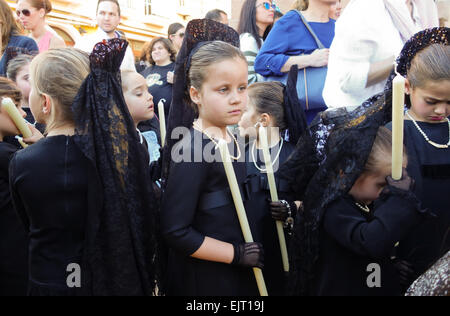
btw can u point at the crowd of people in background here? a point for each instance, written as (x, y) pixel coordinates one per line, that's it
(98, 185)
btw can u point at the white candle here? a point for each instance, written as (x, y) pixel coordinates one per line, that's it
(21, 142)
(162, 121)
(273, 194)
(398, 103)
(240, 209)
(9, 106)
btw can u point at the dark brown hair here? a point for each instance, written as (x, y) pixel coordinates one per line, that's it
(167, 44)
(268, 97)
(174, 28)
(8, 89)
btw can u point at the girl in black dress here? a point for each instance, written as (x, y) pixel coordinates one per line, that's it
(208, 255)
(269, 106)
(425, 62)
(83, 192)
(13, 238)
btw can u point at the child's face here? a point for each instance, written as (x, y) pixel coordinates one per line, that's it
(23, 83)
(368, 187)
(138, 99)
(248, 121)
(432, 102)
(7, 126)
(223, 95)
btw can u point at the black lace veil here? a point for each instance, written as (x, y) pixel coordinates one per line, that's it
(121, 245)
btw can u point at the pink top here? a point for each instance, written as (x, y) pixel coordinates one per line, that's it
(44, 43)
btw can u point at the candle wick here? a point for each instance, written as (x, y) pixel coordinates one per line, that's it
(396, 70)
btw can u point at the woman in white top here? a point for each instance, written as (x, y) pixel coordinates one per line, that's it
(369, 36)
(257, 17)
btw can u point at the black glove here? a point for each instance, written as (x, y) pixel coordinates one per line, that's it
(249, 255)
(406, 272)
(282, 210)
(406, 183)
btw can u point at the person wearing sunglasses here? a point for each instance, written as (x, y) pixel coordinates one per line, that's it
(108, 19)
(257, 17)
(31, 14)
(12, 42)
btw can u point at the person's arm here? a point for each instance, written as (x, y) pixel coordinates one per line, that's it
(273, 54)
(15, 195)
(215, 250)
(392, 221)
(249, 48)
(318, 58)
(380, 71)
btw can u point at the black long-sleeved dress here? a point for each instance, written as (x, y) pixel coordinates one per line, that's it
(197, 204)
(262, 224)
(49, 186)
(351, 240)
(430, 168)
(13, 237)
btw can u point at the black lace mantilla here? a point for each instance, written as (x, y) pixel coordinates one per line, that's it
(121, 242)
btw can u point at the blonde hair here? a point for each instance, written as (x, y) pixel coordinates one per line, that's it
(380, 158)
(300, 5)
(59, 74)
(124, 75)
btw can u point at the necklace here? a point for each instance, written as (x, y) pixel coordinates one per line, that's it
(273, 162)
(426, 137)
(217, 145)
(364, 207)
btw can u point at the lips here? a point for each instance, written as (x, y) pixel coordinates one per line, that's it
(437, 118)
(236, 112)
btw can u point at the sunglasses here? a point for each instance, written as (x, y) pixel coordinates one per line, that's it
(267, 5)
(25, 12)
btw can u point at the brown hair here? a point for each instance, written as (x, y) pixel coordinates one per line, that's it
(174, 28)
(268, 97)
(8, 89)
(432, 63)
(9, 25)
(167, 44)
(59, 74)
(380, 158)
(41, 4)
(16, 64)
(206, 56)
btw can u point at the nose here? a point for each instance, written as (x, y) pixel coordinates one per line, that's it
(441, 108)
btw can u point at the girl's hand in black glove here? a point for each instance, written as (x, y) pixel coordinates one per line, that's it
(406, 183)
(249, 255)
(280, 210)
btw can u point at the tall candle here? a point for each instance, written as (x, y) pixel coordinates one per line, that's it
(398, 104)
(21, 142)
(273, 194)
(9, 106)
(162, 121)
(240, 209)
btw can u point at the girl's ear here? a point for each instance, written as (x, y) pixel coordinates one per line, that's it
(408, 88)
(195, 96)
(265, 120)
(46, 104)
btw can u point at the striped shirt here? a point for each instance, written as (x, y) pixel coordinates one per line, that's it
(249, 48)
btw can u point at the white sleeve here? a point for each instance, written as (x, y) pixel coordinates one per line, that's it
(128, 62)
